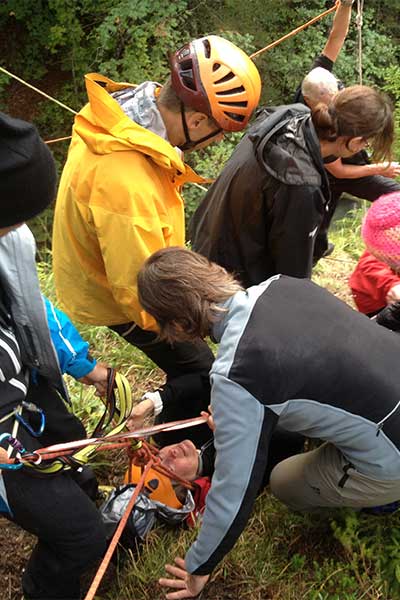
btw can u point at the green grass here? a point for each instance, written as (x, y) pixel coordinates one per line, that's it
(281, 555)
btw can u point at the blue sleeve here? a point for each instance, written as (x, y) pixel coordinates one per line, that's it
(72, 350)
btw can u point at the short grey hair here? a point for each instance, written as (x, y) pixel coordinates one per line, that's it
(320, 85)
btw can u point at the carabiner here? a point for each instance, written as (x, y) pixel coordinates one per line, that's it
(35, 409)
(9, 466)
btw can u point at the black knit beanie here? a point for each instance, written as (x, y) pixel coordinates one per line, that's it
(27, 172)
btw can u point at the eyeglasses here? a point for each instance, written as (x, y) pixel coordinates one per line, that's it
(367, 143)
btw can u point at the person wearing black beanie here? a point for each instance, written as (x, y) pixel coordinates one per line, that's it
(57, 509)
(27, 173)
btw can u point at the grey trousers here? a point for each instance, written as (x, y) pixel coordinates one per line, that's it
(324, 478)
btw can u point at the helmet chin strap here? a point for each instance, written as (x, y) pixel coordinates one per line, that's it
(189, 144)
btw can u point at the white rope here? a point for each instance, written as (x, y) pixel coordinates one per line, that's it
(359, 23)
(201, 187)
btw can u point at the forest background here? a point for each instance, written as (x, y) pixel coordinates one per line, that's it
(52, 44)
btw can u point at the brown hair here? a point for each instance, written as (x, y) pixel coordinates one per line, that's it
(183, 292)
(168, 98)
(357, 111)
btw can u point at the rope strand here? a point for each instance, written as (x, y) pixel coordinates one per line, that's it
(294, 32)
(359, 22)
(32, 87)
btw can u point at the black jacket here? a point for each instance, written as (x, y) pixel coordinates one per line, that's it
(261, 215)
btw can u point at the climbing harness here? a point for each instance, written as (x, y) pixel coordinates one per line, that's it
(118, 407)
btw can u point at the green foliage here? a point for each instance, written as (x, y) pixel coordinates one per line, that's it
(134, 37)
(392, 86)
(281, 555)
(372, 546)
(284, 66)
(392, 77)
(127, 40)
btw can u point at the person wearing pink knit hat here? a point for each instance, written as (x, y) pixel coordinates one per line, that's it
(375, 282)
(381, 230)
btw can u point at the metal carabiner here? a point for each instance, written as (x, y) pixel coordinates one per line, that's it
(35, 409)
(8, 466)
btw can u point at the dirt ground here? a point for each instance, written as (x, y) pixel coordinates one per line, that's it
(15, 545)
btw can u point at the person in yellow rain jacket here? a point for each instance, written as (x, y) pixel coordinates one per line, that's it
(119, 201)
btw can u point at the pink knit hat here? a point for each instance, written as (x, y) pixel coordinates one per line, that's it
(381, 229)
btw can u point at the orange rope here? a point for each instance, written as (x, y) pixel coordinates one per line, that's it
(289, 35)
(117, 534)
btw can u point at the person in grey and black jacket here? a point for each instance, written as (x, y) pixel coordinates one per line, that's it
(290, 355)
(262, 214)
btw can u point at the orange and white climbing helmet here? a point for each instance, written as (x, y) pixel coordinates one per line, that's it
(215, 77)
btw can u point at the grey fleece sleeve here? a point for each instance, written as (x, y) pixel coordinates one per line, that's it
(243, 430)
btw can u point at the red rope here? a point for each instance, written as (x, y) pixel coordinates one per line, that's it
(56, 450)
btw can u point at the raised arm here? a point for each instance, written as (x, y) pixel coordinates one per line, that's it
(340, 28)
(341, 170)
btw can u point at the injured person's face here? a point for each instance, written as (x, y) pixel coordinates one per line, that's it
(182, 459)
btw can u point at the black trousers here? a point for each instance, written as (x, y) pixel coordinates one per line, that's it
(365, 188)
(55, 509)
(187, 389)
(70, 532)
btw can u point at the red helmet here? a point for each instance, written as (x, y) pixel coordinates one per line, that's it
(215, 77)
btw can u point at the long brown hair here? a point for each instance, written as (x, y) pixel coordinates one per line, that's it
(358, 111)
(183, 292)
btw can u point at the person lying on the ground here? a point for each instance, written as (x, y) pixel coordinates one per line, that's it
(189, 462)
(197, 465)
(292, 354)
(353, 175)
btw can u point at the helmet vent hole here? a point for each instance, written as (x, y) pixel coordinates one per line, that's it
(234, 116)
(227, 77)
(186, 65)
(187, 80)
(216, 66)
(238, 104)
(207, 48)
(237, 90)
(186, 73)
